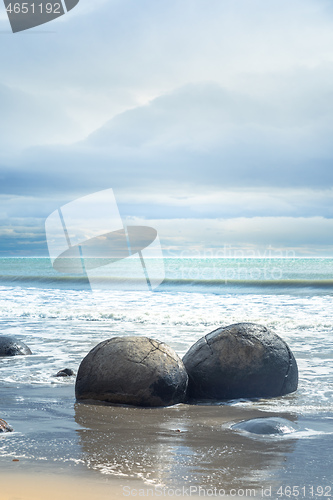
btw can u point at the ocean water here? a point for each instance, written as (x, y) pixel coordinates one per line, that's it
(61, 319)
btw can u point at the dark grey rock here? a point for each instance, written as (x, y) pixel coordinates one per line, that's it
(9, 346)
(268, 425)
(240, 361)
(66, 372)
(132, 371)
(4, 427)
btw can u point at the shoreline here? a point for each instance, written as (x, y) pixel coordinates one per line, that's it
(104, 447)
(57, 440)
(21, 485)
(51, 486)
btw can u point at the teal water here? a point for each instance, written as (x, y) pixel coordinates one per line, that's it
(216, 275)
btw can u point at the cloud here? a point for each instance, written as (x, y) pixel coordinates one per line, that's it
(198, 135)
(196, 234)
(228, 203)
(28, 120)
(256, 236)
(108, 56)
(218, 136)
(188, 109)
(206, 237)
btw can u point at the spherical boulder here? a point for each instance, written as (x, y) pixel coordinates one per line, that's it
(266, 426)
(245, 360)
(135, 371)
(9, 346)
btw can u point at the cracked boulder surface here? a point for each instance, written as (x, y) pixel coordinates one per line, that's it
(136, 371)
(244, 360)
(9, 346)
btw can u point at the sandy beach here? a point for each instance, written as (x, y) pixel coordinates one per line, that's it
(20, 486)
(178, 451)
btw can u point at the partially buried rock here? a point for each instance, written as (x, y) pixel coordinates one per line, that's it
(267, 426)
(9, 346)
(132, 371)
(66, 372)
(4, 427)
(240, 361)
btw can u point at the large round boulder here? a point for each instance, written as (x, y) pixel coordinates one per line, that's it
(132, 371)
(9, 346)
(245, 360)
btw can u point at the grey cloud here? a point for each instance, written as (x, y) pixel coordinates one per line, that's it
(197, 135)
(226, 237)
(129, 51)
(264, 120)
(28, 120)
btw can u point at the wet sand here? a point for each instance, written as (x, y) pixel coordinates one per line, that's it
(93, 451)
(18, 486)
(180, 445)
(21, 486)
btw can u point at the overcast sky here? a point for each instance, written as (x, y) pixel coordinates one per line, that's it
(212, 120)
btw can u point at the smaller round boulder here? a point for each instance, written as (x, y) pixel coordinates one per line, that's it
(9, 346)
(4, 427)
(135, 371)
(66, 372)
(240, 361)
(266, 426)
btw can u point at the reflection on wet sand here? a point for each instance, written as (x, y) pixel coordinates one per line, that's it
(180, 445)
